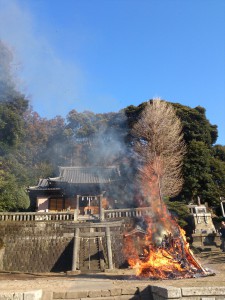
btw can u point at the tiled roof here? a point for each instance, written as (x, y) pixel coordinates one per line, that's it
(87, 175)
(43, 184)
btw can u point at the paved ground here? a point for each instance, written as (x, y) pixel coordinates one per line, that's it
(61, 282)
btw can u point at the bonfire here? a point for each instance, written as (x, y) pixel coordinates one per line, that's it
(157, 247)
(160, 254)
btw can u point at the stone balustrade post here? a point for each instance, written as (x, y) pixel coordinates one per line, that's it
(101, 209)
(76, 211)
(76, 247)
(109, 247)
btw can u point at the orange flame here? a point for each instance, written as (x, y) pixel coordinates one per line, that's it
(162, 252)
(173, 260)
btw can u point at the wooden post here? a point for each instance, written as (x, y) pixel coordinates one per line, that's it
(76, 245)
(109, 247)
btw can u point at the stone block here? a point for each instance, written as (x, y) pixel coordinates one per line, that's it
(32, 295)
(168, 292)
(130, 291)
(203, 291)
(102, 298)
(194, 298)
(115, 292)
(127, 297)
(94, 294)
(11, 296)
(70, 273)
(76, 294)
(59, 295)
(46, 295)
(105, 293)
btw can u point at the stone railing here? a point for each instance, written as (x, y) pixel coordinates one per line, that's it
(69, 216)
(36, 216)
(126, 212)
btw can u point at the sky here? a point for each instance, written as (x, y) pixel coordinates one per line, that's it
(103, 55)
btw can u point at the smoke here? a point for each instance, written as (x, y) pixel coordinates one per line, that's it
(7, 79)
(107, 146)
(53, 84)
(110, 149)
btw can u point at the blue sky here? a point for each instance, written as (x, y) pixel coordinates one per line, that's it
(103, 55)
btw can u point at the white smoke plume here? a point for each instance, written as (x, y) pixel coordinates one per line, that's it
(51, 83)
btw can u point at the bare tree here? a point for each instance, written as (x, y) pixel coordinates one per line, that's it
(160, 147)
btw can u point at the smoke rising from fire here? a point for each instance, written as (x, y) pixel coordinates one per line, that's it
(108, 147)
(7, 76)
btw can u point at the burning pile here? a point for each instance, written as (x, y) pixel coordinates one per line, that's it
(157, 247)
(161, 251)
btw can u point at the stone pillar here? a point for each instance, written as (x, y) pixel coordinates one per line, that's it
(76, 246)
(101, 209)
(109, 247)
(76, 211)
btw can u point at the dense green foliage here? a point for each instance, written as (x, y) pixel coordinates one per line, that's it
(179, 211)
(203, 165)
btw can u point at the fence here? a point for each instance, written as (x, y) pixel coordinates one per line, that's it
(36, 216)
(126, 212)
(69, 216)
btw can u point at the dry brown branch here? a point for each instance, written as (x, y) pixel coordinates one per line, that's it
(160, 146)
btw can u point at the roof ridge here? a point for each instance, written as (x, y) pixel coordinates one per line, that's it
(87, 167)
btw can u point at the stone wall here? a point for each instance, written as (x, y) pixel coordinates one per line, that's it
(47, 246)
(143, 293)
(129, 293)
(35, 247)
(187, 293)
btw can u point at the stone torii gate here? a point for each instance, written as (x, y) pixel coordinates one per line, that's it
(92, 233)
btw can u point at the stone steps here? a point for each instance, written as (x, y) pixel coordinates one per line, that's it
(134, 293)
(89, 255)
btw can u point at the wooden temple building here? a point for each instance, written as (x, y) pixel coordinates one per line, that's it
(80, 188)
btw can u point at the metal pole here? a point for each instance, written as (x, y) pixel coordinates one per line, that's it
(76, 248)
